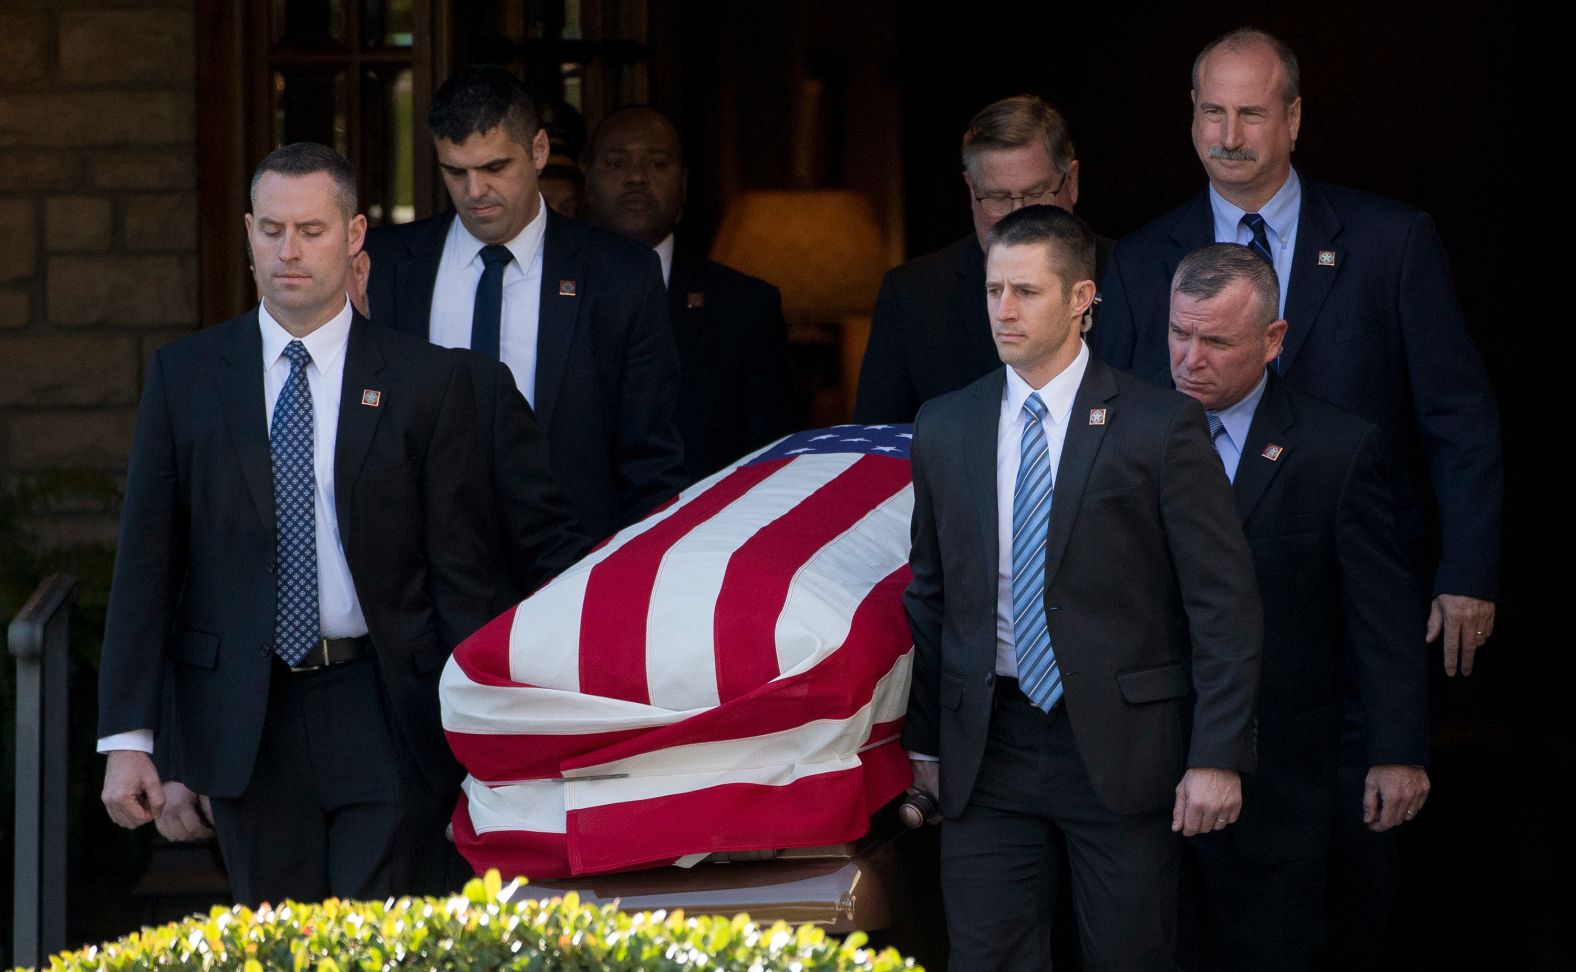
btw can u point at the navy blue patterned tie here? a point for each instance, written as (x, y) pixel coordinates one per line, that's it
(296, 627)
(487, 317)
(1260, 243)
(1038, 675)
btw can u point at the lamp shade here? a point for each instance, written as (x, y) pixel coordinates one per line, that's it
(820, 247)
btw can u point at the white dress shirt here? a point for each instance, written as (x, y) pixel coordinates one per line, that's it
(339, 611)
(1281, 215)
(454, 296)
(1058, 396)
(665, 254)
(1235, 422)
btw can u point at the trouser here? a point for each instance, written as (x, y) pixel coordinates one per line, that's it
(1033, 815)
(1256, 916)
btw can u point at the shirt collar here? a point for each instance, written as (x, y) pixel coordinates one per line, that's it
(325, 344)
(1057, 394)
(665, 254)
(1280, 213)
(1239, 417)
(525, 246)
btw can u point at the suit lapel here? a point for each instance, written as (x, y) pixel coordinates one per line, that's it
(417, 277)
(242, 393)
(1079, 449)
(979, 461)
(1193, 229)
(557, 313)
(357, 422)
(1317, 229)
(1254, 471)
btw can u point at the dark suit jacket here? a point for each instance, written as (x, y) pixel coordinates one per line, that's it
(733, 362)
(193, 598)
(532, 534)
(1378, 334)
(1150, 595)
(1338, 597)
(931, 331)
(606, 371)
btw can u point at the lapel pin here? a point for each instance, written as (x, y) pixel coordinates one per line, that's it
(566, 288)
(371, 397)
(1273, 452)
(695, 299)
(1097, 416)
(1326, 258)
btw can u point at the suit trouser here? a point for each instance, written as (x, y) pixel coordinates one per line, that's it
(1032, 815)
(1257, 916)
(333, 808)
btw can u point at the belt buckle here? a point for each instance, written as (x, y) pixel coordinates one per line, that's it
(322, 643)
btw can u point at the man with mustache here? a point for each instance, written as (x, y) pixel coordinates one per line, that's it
(1373, 328)
(729, 328)
(577, 313)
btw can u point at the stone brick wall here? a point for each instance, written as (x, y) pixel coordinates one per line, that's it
(98, 229)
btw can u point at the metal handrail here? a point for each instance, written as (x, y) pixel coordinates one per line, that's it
(40, 639)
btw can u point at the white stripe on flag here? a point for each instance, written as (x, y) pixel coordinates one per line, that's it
(829, 588)
(772, 759)
(517, 710)
(681, 663)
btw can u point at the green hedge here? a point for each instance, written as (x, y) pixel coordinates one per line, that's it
(488, 926)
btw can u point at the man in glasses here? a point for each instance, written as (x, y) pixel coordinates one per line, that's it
(931, 334)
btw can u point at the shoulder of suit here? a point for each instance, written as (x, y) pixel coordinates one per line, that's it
(605, 244)
(1357, 203)
(385, 238)
(1158, 231)
(208, 340)
(696, 269)
(927, 271)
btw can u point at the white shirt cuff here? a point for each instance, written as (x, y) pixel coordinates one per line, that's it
(922, 757)
(137, 740)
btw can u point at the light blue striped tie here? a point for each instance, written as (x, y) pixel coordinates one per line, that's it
(1038, 675)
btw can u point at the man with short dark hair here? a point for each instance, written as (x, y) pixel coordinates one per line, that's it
(1086, 628)
(301, 547)
(1339, 602)
(578, 314)
(930, 334)
(729, 328)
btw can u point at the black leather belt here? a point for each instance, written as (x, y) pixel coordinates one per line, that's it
(333, 651)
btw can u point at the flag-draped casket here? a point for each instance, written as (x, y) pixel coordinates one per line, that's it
(728, 674)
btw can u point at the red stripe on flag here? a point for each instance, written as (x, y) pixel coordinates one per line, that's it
(834, 689)
(755, 586)
(511, 758)
(515, 853)
(484, 656)
(828, 808)
(618, 592)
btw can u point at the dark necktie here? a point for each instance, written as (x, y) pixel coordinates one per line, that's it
(1260, 243)
(487, 317)
(296, 628)
(1038, 675)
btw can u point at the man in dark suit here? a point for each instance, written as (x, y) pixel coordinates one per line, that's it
(732, 341)
(301, 547)
(577, 313)
(1084, 638)
(1372, 322)
(1338, 595)
(930, 334)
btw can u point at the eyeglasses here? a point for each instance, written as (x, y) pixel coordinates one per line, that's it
(997, 204)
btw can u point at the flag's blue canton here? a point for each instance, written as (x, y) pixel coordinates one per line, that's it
(872, 440)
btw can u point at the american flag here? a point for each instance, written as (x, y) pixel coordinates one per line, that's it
(728, 674)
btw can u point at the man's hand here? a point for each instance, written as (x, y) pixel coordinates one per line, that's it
(1207, 799)
(132, 792)
(1466, 623)
(1393, 795)
(186, 816)
(927, 779)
